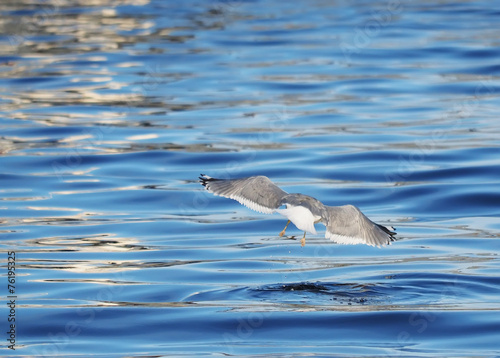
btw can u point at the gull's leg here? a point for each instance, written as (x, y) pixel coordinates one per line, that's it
(303, 240)
(283, 231)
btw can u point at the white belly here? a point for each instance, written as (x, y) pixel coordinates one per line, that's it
(300, 217)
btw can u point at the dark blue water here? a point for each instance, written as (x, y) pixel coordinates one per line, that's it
(109, 112)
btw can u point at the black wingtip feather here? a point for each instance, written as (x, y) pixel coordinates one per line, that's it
(391, 234)
(205, 179)
(386, 230)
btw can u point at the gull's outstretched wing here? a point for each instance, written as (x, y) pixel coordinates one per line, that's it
(257, 193)
(348, 225)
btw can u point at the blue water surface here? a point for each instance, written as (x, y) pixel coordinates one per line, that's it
(111, 110)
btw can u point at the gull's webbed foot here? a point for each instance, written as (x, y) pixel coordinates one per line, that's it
(303, 240)
(283, 231)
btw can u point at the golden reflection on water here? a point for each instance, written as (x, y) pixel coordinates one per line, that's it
(104, 242)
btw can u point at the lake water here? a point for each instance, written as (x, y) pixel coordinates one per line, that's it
(111, 110)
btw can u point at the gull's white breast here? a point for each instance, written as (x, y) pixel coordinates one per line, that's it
(300, 217)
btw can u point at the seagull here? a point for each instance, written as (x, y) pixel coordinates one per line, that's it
(344, 224)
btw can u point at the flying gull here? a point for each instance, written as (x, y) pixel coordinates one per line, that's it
(344, 224)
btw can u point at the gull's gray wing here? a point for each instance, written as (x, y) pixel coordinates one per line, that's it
(257, 193)
(348, 225)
